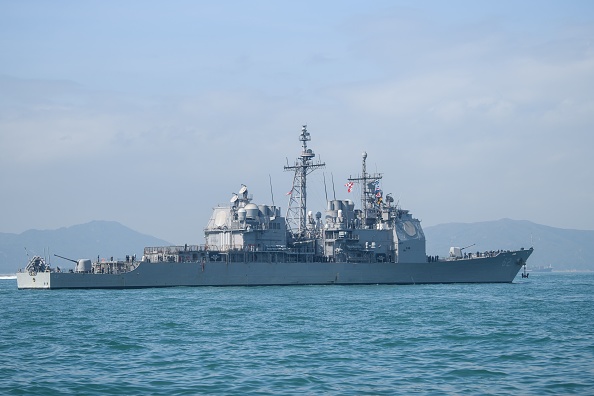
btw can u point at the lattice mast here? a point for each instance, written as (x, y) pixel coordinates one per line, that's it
(304, 165)
(370, 193)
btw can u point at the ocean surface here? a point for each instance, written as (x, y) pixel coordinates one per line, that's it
(535, 336)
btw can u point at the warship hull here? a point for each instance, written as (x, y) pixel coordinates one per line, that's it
(501, 268)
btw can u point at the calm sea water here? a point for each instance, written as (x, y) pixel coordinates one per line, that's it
(534, 336)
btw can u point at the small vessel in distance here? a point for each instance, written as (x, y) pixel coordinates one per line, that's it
(250, 245)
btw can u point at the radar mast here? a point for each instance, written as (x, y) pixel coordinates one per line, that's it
(304, 165)
(370, 193)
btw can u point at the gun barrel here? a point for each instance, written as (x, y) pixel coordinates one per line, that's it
(66, 258)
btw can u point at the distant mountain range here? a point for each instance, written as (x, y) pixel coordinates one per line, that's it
(563, 249)
(97, 238)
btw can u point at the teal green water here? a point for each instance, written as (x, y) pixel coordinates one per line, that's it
(534, 336)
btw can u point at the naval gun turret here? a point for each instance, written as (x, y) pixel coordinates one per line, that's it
(457, 252)
(82, 265)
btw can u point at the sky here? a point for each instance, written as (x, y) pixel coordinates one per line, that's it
(150, 113)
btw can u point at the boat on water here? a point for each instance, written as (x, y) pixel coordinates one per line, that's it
(249, 244)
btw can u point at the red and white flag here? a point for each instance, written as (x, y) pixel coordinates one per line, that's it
(349, 186)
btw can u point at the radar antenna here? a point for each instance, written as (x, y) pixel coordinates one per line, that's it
(370, 192)
(304, 165)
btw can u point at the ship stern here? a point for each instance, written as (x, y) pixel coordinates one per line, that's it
(33, 280)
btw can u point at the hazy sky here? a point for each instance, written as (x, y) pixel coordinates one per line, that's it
(151, 113)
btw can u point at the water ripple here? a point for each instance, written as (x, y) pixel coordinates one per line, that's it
(532, 337)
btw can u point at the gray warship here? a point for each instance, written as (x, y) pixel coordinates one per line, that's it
(247, 244)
